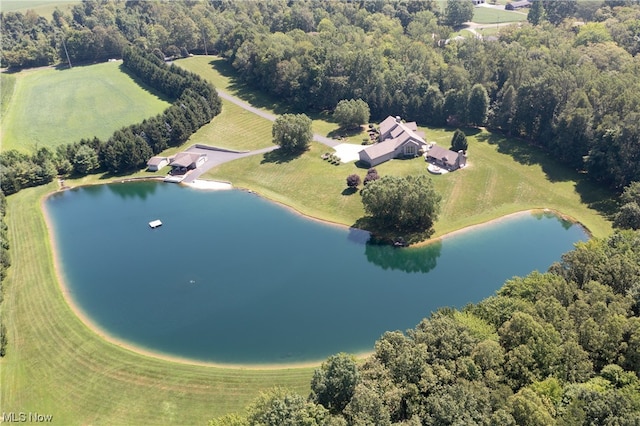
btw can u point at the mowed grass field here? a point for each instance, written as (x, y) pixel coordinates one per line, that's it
(41, 7)
(49, 107)
(486, 15)
(56, 365)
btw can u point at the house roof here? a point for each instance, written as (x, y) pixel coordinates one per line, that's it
(156, 161)
(446, 155)
(185, 159)
(396, 134)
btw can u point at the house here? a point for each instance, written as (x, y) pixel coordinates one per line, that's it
(477, 2)
(517, 4)
(445, 158)
(397, 139)
(185, 161)
(156, 163)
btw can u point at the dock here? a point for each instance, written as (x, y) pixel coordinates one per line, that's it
(155, 223)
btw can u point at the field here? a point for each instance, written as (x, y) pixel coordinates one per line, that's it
(486, 15)
(50, 107)
(41, 7)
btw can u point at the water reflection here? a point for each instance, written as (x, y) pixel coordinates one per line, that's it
(422, 259)
(141, 190)
(566, 224)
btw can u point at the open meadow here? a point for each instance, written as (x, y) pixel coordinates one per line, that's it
(41, 7)
(49, 107)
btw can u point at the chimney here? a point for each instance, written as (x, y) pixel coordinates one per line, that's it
(398, 119)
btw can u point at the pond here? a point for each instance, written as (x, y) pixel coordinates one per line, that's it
(233, 278)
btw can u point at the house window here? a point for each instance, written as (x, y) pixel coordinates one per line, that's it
(410, 150)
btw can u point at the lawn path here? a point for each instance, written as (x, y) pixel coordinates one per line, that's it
(271, 117)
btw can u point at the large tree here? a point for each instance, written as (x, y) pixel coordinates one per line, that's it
(459, 141)
(458, 12)
(478, 105)
(334, 383)
(405, 204)
(351, 113)
(292, 132)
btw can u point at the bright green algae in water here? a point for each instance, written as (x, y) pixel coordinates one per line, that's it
(233, 278)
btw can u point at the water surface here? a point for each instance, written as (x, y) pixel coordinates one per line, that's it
(233, 278)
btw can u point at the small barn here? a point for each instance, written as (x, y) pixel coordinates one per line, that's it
(156, 163)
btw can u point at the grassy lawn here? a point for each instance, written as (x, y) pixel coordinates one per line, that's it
(41, 7)
(50, 107)
(485, 15)
(235, 128)
(7, 87)
(56, 365)
(492, 185)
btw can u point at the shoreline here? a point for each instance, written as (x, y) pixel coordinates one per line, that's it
(86, 320)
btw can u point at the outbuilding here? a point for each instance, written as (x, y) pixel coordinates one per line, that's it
(156, 163)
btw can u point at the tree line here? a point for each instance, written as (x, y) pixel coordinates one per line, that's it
(554, 348)
(129, 148)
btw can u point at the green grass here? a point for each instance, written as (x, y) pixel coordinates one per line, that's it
(485, 15)
(504, 176)
(235, 128)
(7, 87)
(41, 7)
(50, 107)
(56, 365)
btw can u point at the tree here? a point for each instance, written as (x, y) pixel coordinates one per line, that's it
(372, 174)
(459, 141)
(628, 217)
(278, 407)
(353, 181)
(334, 383)
(85, 160)
(351, 113)
(458, 12)
(478, 105)
(536, 12)
(292, 132)
(402, 203)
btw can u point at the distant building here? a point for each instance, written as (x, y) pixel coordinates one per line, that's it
(517, 4)
(478, 2)
(156, 163)
(397, 140)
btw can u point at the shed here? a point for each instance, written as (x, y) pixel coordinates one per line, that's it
(156, 163)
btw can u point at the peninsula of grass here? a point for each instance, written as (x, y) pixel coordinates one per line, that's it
(503, 176)
(50, 107)
(56, 365)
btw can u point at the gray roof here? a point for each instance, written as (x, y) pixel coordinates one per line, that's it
(445, 155)
(185, 159)
(155, 161)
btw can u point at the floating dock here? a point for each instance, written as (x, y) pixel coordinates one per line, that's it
(155, 223)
